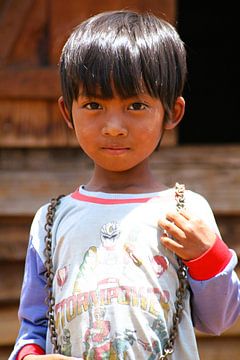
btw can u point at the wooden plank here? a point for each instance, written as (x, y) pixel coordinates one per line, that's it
(14, 234)
(12, 19)
(36, 123)
(219, 348)
(11, 277)
(229, 227)
(214, 172)
(20, 83)
(5, 352)
(31, 45)
(9, 325)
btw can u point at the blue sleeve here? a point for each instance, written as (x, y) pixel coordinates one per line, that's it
(32, 309)
(216, 302)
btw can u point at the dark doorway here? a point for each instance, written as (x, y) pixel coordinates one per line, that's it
(210, 31)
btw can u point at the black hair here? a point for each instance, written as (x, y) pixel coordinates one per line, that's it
(124, 52)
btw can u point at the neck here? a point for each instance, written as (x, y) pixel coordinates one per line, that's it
(136, 180)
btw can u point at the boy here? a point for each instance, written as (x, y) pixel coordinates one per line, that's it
(114, 239)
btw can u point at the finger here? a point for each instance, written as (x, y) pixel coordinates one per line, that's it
(175, 247)
(185, 214)
(171, 244)
(172, 229)
(181, 221)
(178, 219)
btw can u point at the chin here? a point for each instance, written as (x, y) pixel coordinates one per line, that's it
(116, 167)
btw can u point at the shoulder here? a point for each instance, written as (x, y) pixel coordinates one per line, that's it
(199, 206)
(194, 199)
(52, 205)
(38, 230)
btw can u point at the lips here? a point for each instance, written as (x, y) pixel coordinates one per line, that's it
(115, 150)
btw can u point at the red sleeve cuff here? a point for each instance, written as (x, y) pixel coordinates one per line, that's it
(211, 263)
(30, 349)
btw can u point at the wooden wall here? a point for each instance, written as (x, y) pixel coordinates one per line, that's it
(39, 157)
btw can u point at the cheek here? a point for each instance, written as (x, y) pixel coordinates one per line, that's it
(152, 133)
(85, 132)
(154, 124)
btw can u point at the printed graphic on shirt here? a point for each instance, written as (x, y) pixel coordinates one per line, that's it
(110, 279)
(66, 347)
(122, 342)
(97, 336)
(62, 275)
(160, 264)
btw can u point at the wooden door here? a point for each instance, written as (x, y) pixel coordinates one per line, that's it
(32, 33)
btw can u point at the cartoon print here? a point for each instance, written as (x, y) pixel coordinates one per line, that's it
(159, 328)
(62, 276)
(116, 256)
(94, 256)
(122, 342)
(164, 301)
(110, 250)
(130, 249)
(97, 339)
(107, 275)
(154, 347)
(110, 232)
(160, 264)
(112, 259)
(66, 347)
(87, 266)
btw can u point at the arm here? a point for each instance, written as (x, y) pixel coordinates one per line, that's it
(31, 340)
(32, 309)
(215, 287)
(216, 300)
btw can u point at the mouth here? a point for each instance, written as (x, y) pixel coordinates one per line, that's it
(115, 150)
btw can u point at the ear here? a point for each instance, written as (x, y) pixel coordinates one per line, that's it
(65, 113)
(177, 114)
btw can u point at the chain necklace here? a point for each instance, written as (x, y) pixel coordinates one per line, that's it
(49, 274)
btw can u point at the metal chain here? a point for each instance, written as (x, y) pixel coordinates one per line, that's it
(181, 291)
(49, 274)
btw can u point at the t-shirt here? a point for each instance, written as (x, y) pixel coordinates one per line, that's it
(114, 284)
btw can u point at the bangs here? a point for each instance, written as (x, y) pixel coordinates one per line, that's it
(123, 53)
(114, 67)
(112, 74)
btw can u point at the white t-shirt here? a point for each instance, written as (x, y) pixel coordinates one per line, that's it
(115, 284)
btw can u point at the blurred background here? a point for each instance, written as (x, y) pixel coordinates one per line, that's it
(39, 156)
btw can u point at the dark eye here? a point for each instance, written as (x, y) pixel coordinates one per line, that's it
(93, 106)
(137, 106)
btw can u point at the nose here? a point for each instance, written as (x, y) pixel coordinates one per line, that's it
(114, 127)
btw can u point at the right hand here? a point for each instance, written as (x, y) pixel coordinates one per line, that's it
(50, 357)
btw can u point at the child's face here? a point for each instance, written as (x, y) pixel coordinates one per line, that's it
(118, 134)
